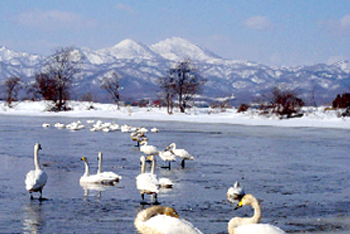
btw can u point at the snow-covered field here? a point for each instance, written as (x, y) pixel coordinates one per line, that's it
(313, 117)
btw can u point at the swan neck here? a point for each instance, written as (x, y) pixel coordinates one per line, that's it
(99, 169)
(36, 159)
(173, 145)
(153, 165)
(257, 212)
(87, 169)
(143, 166)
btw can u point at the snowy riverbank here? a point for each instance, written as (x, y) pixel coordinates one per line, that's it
(313, 117)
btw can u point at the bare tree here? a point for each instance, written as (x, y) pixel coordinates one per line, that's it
(185, 81)
(111, 84)
(59, 71)
(12, 85)
(284, 101)
(167, 86)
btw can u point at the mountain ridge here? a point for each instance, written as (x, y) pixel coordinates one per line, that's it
(141, 66)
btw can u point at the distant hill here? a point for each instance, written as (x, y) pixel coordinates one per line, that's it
(142, 65)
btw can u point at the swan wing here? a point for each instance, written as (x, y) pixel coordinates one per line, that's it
(170, 225)
(258, 228)
(35, 180)
(110, 175)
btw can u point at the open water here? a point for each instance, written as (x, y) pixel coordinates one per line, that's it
(301, 176)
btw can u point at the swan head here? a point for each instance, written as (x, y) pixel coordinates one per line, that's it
(143, 142)
(83, 159)
(151, 157)
(142, 159)
(235, 193)
(99, 156)
(37, 146)
(248, 199)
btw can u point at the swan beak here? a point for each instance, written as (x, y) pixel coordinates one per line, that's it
(240, 204)
(39, 148)
(83, 159)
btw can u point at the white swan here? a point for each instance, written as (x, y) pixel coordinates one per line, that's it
(97, 178)
(182, 153)
(36, 179)
(160, 219)
(106, 174)
(167, 156)
(148, 149)
(251, 225)
(235, 193)
(147, 182)
(163, 182)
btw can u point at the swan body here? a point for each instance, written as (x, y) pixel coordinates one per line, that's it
(97, 178)
(148, 149)
(165, 183)
(167, 156)
(235, 193)
(251, 225)
(182, 153)
(162, 220)
(59, 125)
(155, 130)
(106, 174)
(138, 136)
(46, 125)
(37, 178)
(147, 183)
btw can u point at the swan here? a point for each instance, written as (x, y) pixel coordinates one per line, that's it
(235, 193)
(163, 182)
(97, 178)
(138, 136)
(147, 182)
(183, 154)
(155, 130)
(106, 174)
(36, 179)
(167, 156)
(251, 225)
(160, 219)
(148, 149)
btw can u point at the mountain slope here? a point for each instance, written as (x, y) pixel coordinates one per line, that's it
(141, 66)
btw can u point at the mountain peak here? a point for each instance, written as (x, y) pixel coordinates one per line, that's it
(177, 48)
(129, 49)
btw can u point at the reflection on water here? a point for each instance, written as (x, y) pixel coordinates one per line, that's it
(94, 187)
(32, 220)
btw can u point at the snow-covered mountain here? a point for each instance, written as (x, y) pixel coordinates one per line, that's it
(141, 66)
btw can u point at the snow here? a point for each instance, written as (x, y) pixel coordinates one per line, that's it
(313, 117)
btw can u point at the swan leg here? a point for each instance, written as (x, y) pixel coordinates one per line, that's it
(169, 165)
(41, 195)
(31, 196)
(156, 199)
(183, 163)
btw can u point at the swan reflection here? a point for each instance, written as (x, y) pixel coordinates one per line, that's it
(32, 218)
(94, 187)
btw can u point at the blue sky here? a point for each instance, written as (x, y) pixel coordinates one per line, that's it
(271, 32)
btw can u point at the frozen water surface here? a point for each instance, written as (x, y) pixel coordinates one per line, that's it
(300, 175)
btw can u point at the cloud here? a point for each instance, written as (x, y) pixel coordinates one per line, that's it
(258, 23)
(340, 26)
(125, 8)
(54, 20)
